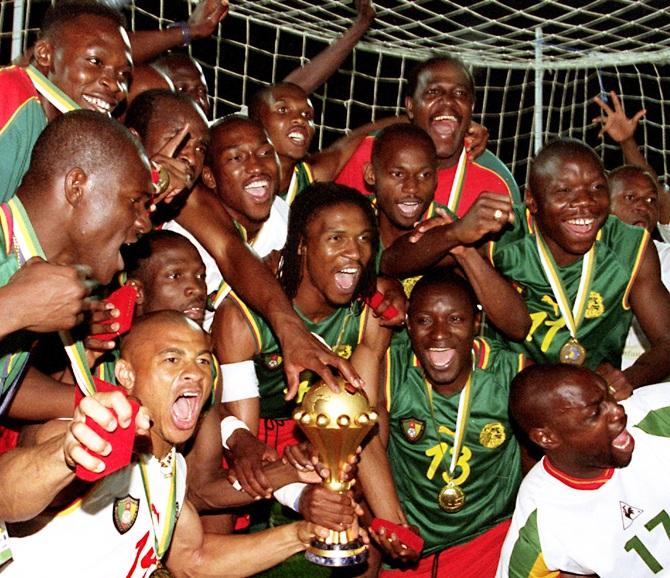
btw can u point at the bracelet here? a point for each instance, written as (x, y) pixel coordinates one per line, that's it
(228, 427)
(185, 32)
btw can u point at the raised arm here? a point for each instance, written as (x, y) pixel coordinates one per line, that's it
(320, 68)
(254, 282)
(147, 44)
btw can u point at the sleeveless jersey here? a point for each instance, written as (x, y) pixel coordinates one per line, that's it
(485, 173)
(342, 330)
(106, 533)
(618, 525)
(301, 179)
(619, 251)
(489, 468)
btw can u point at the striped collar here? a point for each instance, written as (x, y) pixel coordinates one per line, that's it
(50, 91)
(578, 483)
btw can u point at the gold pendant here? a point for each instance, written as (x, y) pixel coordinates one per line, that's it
(572, 352)
(451, 498)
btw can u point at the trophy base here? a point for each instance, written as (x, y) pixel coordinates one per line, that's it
(337, 555)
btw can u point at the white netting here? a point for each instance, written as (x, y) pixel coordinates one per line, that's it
(587, 47)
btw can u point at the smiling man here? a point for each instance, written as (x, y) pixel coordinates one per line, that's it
(82, 59)
(583, 273)
(597, 503)
(440, 99)
(454, 462)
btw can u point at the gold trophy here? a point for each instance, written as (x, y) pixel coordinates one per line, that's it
(336, 424)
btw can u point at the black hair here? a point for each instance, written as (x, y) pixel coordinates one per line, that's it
(629, 170)
(415, 73)
(65, 11)
(307, 206)
(136, 255)
(259, 98)
(221, 127)
(402, 130)
(445, 276)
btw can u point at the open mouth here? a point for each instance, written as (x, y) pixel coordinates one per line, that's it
(298, 136)
(410, 209)
(185, 410)
(624, 441)
(195, 312)
(258, 189)
(98, 104)
(441, 357)
(582, 226)
(444, 125)
(346, 279)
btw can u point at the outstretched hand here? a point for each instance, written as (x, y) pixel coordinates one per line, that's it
(206, 17)
(615, 123)
(366, 11)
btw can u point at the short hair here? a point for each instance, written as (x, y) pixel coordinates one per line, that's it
(64, 12)
(146, 106)
(259, 98)
(137, 255)
(220, 127)
(445, 276)
(402, 130)
(308, 205)
(85, 139)
(415, 73)
(625, 171)
(145, 322)
(567, 147)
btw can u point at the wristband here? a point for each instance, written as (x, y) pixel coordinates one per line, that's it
(228, 427)
(289, 495)
(185, 32)
(239, 381)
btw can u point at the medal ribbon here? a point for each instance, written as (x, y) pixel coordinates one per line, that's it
(573, 318)
(457, 184)
(162, 542)
(461, 420)
(224, 288)
(28, 246)
(58, 99)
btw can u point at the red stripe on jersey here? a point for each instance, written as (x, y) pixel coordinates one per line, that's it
(578, 483)
(17, 89)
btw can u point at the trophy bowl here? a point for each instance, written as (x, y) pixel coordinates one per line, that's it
(336, 423)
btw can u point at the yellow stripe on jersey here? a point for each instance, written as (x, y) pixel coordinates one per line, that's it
(540, 570)
(482, 352)
(636, 268)
(255, 330)
(387, 379)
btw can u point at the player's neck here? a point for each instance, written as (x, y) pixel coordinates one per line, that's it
(311, 303)
(568, 472)
(456, 386)
(451, 160)
(286, 168)
(388, 232)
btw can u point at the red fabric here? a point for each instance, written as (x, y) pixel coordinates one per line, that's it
(477, 558)
(17, 89)
(477, 179)
(9, 438)
(278, 433)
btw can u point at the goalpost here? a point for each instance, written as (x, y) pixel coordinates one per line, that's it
(537, 65)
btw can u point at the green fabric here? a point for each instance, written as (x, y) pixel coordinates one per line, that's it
(526, 551)
(304, 179)
(269, 363)
(605, 326)
(490, 161)
(494, 472)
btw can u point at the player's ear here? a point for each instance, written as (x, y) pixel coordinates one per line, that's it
(529, 199)
(409, 107)
(208, 178)
(543, 437)
(75, 185)
(43, 54)
(125, 374)
(369, 174)
(478, 320)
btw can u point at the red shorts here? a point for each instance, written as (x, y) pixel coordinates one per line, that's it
(477, 558)
(277, 433)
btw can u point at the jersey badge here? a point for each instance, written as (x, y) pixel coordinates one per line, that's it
(343, 350)
(595, 307)
(492, 435)
(628, 514)
(272, 361)
(413, 429)
(408, 284)
(125, 513)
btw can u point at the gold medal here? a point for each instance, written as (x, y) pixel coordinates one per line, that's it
(572, 352)
(451, 498)
(161, 572)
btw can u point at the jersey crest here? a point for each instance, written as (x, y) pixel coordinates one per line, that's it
(125, 513)
(628, 514)
(595, 307)
(493, 435)
(413, 429)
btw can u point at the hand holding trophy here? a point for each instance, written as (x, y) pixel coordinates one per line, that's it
(336, 424)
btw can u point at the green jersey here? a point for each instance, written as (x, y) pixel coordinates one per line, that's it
(302, 177)
(619, 249)
(421, 437)
(341, 330)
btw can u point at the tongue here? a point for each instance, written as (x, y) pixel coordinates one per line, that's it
(441, 358)
(258, 192)
(621, 440)
(408, 209)
(182, 408)
(344, 280)
(444, 128)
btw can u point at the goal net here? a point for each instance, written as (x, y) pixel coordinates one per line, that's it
(537, 65)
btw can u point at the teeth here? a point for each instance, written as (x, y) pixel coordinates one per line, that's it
(446, 117)
(581, 222)
(189, 394)
(101, 105)
(297, 136)
(350, 270)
